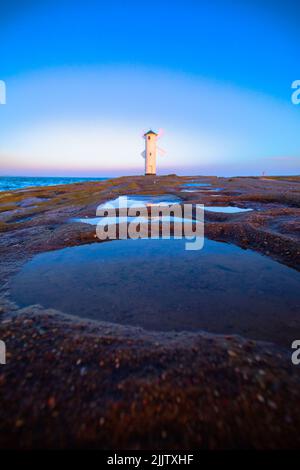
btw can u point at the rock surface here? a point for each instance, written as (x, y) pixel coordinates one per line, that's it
(75, 383)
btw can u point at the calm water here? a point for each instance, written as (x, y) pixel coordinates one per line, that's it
(10, 183)
(124, 220)
(124, 202)
(226, 209)
(195, 184)
(159, 285)
(202, 190)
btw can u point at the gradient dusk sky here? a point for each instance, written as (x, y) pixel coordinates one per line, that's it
(86, 78)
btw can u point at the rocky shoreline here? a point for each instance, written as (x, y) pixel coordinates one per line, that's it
(77, 383)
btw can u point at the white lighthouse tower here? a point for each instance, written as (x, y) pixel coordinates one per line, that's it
(150, 152)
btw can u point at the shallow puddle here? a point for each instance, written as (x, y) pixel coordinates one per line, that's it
(195, 184)
(105, 220)
(124, 220)
(158, 285)
(203, 190)
(226, 209)
(123, 202)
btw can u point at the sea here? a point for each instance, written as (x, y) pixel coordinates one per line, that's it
(10, 183)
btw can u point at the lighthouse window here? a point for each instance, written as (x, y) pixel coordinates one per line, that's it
(148, 137)
(150, 153)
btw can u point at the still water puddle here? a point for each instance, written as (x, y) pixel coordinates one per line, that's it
(195, 184)
(124, 220)
(124, 202)
(226, 209)
(105, 220)
(203, 190)
(158, 285)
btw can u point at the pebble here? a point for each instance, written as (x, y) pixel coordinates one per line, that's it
(101, 421)
(51, 402)
(260, 398)
(19, 423)
(272, 405)
(231, 353)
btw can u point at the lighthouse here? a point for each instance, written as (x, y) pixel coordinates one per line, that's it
(150, 152)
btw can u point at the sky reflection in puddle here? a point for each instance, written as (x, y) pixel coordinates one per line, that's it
(158, 285)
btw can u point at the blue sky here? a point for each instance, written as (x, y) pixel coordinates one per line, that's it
(85, 79)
